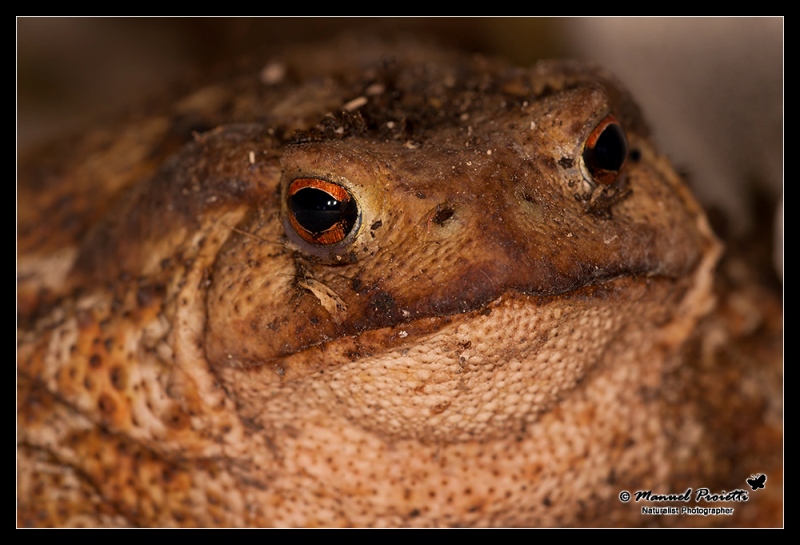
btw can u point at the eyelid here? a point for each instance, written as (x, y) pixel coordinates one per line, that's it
(335, 190)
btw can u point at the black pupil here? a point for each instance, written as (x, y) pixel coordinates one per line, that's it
(317, 210)
(610, 150)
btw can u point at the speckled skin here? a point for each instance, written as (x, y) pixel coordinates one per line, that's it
(497, 343)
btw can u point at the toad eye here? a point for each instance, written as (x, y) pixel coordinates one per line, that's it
(321, 212)
(605, 152)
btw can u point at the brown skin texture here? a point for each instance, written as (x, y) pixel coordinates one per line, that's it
(497, 341)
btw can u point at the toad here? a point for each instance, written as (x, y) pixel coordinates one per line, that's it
(372, 286)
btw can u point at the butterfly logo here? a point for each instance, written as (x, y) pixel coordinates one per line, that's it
(757, 481)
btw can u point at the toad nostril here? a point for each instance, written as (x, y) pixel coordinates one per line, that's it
(443, 213)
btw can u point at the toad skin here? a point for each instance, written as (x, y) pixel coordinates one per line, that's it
(496, 337)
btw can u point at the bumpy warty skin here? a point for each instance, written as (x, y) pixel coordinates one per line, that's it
(498, 341)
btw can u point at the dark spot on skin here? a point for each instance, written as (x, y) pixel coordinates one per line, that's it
(382, 306)
(528, 197)
(566, 162)
(177, 419)
(251, 424)
(419, 195)
(486, 312)
(107, 405)
(376, 225)
(635, 156)
(414, 513)
(443, 213)
(145, 295)
(95, 361)
(179, 516)
(547, 502)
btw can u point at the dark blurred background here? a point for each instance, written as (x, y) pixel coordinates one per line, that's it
(70, 70)
(712, 88)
